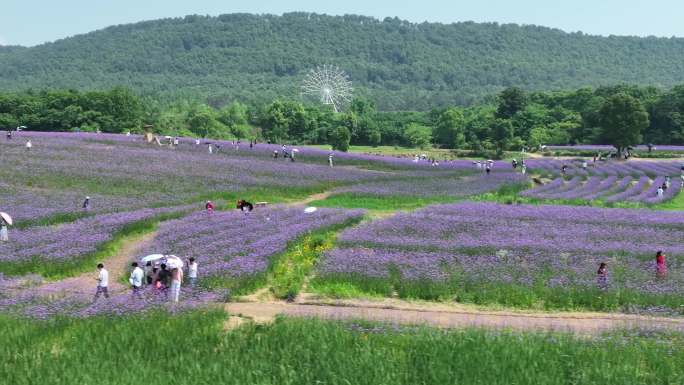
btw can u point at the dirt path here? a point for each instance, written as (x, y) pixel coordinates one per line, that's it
(312, 198)
(444, 316)
(84, 284)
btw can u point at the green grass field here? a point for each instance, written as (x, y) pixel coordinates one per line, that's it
(193, 348)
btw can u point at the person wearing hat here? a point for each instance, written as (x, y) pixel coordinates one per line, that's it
(209, 207)
(86, 203)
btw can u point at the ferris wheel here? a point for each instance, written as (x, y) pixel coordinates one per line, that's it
(329, 85)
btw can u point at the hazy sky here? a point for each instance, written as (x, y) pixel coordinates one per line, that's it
(31, 22)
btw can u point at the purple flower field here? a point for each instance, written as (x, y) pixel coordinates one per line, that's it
(436, 187)
(234, 244)
(71, 241)
(607, 148)
(521, 244)
(634, 181)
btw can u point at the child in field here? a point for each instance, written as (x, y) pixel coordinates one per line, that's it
(102, 282)
(149, 273)
(602, 276)
(192, 272)
(661, 267)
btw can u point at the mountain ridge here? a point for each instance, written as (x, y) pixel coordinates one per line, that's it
(398, 64)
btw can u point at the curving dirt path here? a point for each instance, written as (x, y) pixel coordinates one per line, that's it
(118, 266)
(444, 316)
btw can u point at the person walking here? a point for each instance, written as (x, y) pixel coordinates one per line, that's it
(209, 207)
(488, 168)
(86, 203)
(661, 267)
(660, 192)
(176, 281)
(102, 282)
(29, 145)
(4, 234)
(9, 135)
(602, 276)
(136, 279)
(192, 272)
(330, 159)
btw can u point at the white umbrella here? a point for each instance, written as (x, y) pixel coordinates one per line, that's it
(173, 262)
(152, 257)
(6, 217)
(310, 210)
(295, 150)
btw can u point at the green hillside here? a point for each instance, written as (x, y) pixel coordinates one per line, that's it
(398, 64)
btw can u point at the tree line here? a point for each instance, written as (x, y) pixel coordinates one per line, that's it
(622, 115)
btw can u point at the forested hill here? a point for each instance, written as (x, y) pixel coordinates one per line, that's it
(398, 64)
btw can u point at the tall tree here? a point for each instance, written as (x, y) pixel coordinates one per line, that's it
(511, 100)
(623, 120)
(449, 129)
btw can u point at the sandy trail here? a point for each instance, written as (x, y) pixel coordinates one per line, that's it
(444, 316)
(118, 266)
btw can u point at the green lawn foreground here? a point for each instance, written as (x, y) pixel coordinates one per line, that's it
(193, 348)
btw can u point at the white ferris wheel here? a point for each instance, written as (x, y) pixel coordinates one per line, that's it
(329, 85)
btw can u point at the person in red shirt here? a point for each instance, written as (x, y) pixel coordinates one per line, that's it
(661, 267)
(209, 207)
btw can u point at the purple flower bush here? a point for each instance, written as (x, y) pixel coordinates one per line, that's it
(233, 244)
(71, 241)
(446, 186)
(552, 246)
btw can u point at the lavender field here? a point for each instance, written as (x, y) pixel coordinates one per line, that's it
(521, 255)
(235, 245)
(610, 182)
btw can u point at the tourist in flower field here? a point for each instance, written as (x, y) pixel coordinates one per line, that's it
(584, 164)
(564, 168)
(192, 271)
(9, 135)
(4, 235)
(29, 145)
(602, 276)
(661, 267)
(176, 281)
(660, 192)
(668, 181)
(136, 279)
(211, 148)
(275, 154)
(488, 168)
(149, 273)
(330, 159)
(209, 207)
(514, 163)
(102, 282)
(163, 279)
(86, 203)
(245, 206)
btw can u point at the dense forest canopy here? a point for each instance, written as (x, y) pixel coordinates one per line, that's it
(400, 65)
(622, 115)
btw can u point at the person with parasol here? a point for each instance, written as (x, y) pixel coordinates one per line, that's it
(5, 221)
(86, 203)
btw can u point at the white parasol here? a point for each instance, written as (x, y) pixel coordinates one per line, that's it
(295, 150)
(310, 210)
(173, 262)
(152, 257)
(6, 217)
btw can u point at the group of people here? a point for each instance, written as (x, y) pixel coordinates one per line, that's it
(486, 165)
(666, 185)
(660, 271)
(164, 281)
